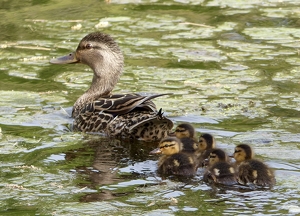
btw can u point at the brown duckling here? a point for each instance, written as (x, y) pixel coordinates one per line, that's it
(185, 132)
(204, 147)
(173, 161)
(251, 171)
(219, 170)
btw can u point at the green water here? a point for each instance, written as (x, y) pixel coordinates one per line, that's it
(233, 67)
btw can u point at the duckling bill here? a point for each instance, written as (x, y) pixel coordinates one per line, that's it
(98, 110)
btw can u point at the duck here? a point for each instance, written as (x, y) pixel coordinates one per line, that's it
(251, 171)
(131, 115)
(219, 170)
(185, 132)
(203, 148)
(173, 161)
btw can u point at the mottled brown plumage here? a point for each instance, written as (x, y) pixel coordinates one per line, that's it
(98, 110)
(251, 171)
(219, 170)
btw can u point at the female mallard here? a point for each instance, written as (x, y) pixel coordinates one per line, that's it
(173, 161)
(98, 110)
(250, 171)
(219, 170)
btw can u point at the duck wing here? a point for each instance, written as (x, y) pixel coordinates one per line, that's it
(132, 116)
(119, 104)
(140, 125)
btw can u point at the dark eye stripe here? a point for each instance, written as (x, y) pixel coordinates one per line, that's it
(90, 46)
(166, 146)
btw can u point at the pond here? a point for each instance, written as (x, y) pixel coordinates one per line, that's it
(233, 68)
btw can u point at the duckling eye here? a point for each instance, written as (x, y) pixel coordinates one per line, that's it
(89, 46)
(237, 151)
(178, 130)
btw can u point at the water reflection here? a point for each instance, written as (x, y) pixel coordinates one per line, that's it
(108, 156)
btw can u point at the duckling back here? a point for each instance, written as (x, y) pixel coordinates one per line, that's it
(219, 170)
(252, 171)
(188, 144)
(221, 173)
(179, 164)
(255, 172)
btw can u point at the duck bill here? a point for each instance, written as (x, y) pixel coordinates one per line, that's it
(156, 151)
(67, 59)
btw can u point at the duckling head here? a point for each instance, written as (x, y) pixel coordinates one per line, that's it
(206, 141)
(168, 146)
(217, 155)
(243, 152)
(184, 130)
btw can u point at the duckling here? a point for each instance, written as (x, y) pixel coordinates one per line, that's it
(185, 132)
(97, 110)
(251, 171)
(204, 147)
(173, 161)
(219, 170)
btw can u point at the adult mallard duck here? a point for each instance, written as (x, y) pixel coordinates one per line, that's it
(219, 170)
(173, 161)
(98, 110)
(251, 171)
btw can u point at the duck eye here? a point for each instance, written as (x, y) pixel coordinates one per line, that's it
(89, 46)
(212, 156)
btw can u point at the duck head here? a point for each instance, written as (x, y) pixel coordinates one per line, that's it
(206, 141)
(217, 155)
(184, 130)
(102, 54)
(243, 152)
(168, 146)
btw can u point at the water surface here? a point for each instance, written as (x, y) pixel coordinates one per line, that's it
(233, 67)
